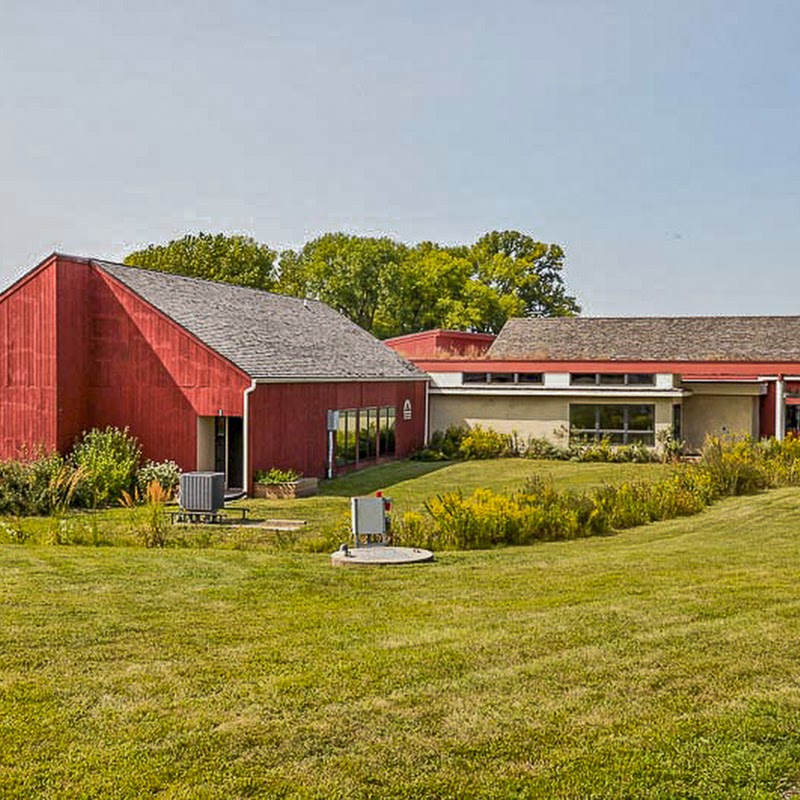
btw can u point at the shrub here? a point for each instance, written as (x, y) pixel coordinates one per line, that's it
(443, 445)
(108, 460)
(671, 447)
(13, 532)
(485, 443)
(275, 476)
(35, 485)
(541, 448)
(736, 465)
(167, 474)
(590, 450)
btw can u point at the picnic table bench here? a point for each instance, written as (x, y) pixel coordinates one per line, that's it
(218, 517)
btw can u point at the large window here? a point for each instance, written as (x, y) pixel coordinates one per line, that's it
(346, 437)
(365, 434)
(386, 431)
(617, 423)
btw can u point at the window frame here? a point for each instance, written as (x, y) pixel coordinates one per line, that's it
(612, 379)
(624, 435)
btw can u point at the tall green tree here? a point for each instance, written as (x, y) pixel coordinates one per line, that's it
(352, 274)
(422, 289)
(386, 287)
(235, 259)
(515, 264)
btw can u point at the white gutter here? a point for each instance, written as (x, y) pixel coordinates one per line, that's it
(246, 435)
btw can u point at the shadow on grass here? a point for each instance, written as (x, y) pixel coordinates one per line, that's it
(370, 480)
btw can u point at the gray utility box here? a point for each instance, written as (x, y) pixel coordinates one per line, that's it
(370, 518)
(202, 491)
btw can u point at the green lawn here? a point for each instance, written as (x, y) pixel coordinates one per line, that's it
(663, 662)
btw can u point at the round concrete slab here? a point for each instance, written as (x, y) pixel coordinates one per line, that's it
(380, 555)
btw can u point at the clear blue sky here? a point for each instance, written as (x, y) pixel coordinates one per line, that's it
(658, 142)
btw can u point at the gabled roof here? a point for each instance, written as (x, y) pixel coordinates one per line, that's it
(268, 336)
(649, 339)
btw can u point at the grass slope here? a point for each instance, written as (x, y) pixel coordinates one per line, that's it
(658, 663)
(410, 483)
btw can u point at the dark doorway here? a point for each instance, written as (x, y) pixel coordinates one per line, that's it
(676, 421)
(229, 450)
(220, 450)
(235, 453)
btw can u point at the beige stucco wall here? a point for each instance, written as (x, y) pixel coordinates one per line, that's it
(539, 417)
(717, 414)
(205, 444)
(528, 416)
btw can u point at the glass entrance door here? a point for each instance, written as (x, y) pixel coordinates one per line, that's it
(220, 448)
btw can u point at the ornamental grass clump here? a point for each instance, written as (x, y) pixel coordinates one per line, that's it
(147, 513)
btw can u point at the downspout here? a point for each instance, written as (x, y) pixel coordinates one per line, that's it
(427, 414)
(246, 435)
(780, 409)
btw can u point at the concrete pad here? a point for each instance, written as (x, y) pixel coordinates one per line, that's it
(380, 555)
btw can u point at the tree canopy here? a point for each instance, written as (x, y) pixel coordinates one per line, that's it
(387, 287)
(216, 257)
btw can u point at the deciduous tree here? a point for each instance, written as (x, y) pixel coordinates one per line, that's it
(384, 286)
(240, 260)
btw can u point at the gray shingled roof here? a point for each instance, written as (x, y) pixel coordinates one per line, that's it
(268, 336)
(649, 339)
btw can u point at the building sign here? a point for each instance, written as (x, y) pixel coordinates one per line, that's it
(407, 410)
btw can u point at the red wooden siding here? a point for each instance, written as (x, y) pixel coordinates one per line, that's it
(288, 421)
(72, 365)
(150, 374)
(28, 382)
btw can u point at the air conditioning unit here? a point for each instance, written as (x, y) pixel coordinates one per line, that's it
(202, 491)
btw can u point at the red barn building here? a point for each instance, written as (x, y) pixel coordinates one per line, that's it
(213, 376)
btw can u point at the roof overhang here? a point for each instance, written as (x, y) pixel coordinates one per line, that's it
(342, 379)
(568, 392)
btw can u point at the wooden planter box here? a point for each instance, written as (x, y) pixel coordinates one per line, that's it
(302, 487)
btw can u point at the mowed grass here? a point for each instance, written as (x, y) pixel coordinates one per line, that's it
(662, 662)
